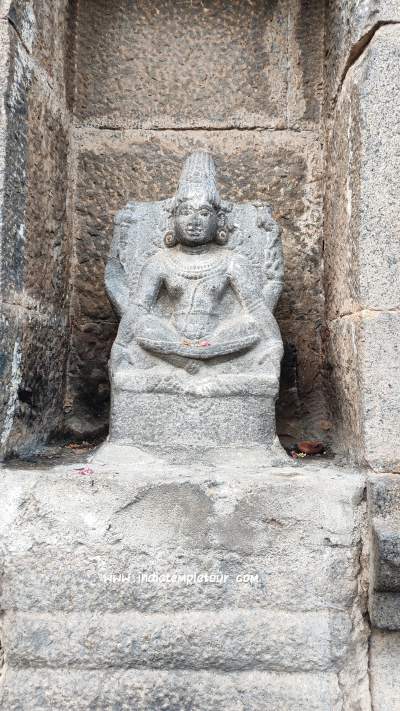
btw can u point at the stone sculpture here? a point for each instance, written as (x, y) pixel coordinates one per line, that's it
(195, 282)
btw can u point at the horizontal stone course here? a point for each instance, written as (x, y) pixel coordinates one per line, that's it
(116, 578)
(181, 63)
(237, 506)
(71, 690)
(228, 640)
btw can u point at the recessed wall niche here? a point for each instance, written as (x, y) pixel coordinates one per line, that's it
(153, 82)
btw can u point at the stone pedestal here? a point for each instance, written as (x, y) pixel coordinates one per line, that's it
(186, 420)
(222, 585)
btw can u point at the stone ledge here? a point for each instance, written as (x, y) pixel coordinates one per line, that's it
(228, 500)
(230, 640)
(227, 514)
(70, 690)
(113, 578)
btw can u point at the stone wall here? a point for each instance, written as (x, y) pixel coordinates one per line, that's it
(35, 240)
(362, 257)
(362, 249)
(158, 80)
(142, 99)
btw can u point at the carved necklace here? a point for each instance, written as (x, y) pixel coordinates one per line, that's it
(210, 263)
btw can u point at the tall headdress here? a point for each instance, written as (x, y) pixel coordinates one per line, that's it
(198, 179)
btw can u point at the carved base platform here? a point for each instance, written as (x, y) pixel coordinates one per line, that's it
(144, 419)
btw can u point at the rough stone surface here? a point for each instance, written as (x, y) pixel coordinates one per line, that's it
(386, 552)
(363, 353)
(256, 532)
(362, 253)
(306, 45)
(384, 513)
(189, 68)
(33, 349)
(384, 496)
(152, 691)
(188, 640)
(344, 383)
(362, 260)
(384, 610)
(35, 234)
(43, 29)
(350, 24)
(384, 661)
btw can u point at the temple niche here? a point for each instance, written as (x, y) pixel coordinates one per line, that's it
(199, 262)
(139, 114)
(117, 128)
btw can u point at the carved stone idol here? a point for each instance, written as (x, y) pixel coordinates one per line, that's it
(195, 282)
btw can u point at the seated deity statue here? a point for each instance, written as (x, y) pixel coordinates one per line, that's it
(195, 282)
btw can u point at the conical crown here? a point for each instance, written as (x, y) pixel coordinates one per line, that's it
(198, 179)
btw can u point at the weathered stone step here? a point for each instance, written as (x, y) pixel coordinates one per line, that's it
(227, 641)
(106, 578)
(71, 690)
(298, 529)
(237, 509)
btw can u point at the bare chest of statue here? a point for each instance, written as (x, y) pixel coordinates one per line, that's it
(197, 292)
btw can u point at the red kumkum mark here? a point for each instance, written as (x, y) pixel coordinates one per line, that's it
(85, 471)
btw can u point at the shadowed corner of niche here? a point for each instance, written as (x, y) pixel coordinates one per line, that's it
(303, 426)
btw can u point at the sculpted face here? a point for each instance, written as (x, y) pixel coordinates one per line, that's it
(196, 222)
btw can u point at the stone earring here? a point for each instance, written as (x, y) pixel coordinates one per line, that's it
(222, 237)
(170, 239)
